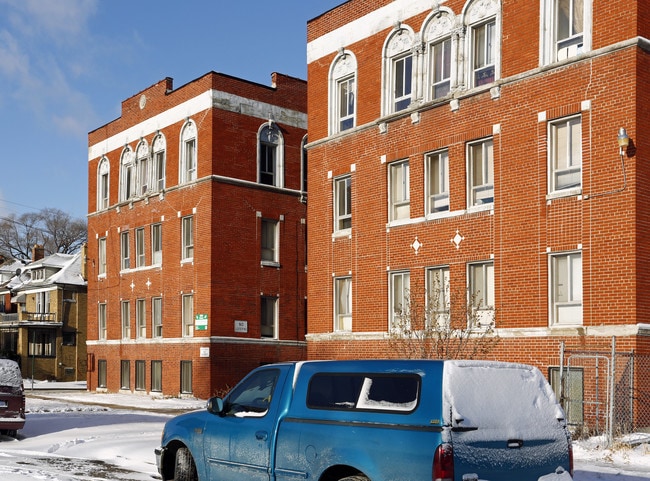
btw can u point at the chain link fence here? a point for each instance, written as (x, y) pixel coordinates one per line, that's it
(604, 393)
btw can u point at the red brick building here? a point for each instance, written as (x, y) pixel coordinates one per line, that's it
(197, 235)
(476, 142)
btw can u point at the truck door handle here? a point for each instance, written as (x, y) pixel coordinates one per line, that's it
(261, 435)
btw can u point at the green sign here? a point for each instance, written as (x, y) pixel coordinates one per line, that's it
(201, 322)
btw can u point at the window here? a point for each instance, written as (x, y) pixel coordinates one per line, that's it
(440, 68)
(156, 244)
(186, 377)
(343, 304)
(125, 374)
(42, 342)
(566, 288)
(269, 316)
(437, 186)
(482, 20)
(158, 167)
(484, 54)
(156, 376)
(565, 154)
(438, 301)
(351, 391)
(140, 376)
(400, 203)
(270, 156)
(343, 92)
(342, 203)
(346, 94)
(126, 320)
(101, 373)
(188, 315)
(481, 172)
(270, 241)
(188, 153)
(399, 302)
(101, 321)
(252, 396)
(481, 292)
(188, 238)
(156, 316)
(127, 175)
(141, 318)
(139, 247)
(569, 27)
(103, 184)
(398, 67)
(124, 241)
(101, 254)
(142, 163)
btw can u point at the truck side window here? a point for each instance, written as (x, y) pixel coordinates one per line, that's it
(252, 397)
(374, 392)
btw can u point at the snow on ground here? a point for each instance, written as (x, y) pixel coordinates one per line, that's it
(75, 435)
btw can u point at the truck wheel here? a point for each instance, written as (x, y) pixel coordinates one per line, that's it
(355, 478)
(184, 468)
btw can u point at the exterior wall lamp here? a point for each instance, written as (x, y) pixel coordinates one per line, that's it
(623, 140)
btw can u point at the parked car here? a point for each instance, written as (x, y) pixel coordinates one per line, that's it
(374, 420)
(12, 398)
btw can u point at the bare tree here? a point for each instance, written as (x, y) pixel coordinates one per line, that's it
(52, 228)
(443, 324)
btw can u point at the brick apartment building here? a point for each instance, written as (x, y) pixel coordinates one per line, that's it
(197, 235)
(476, 142)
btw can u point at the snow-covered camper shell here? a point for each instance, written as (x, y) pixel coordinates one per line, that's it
(375, 420)
(12, 398)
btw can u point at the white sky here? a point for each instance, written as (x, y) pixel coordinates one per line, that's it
(66, 66)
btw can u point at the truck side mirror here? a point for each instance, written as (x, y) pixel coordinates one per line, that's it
(215, 405)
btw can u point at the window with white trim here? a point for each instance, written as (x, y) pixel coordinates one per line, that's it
(101, 255)
(270, 154)
(125, 374)
(565, 154)
(156, 244)
(437, 182)
(159, 159)
(269, 316)
(342, 203)
(343, 304)
(127, 175)
(565, 29)
(156, 376)
(438, 303)
(125, 250)
(101, 321)
(103, 184)
(481, 293)
(126, 319)
(566, 288)
(483, 42)
(187, 315)
(270, 240)
(398, 71)
(142, 163)
(188, 154)
(187, 240)
(440, 68)
(343, 93)
(399, 300)
(141, 318)
(399, 190)
(140, 258)
(156, 317)
(140, 375)
(480, 160)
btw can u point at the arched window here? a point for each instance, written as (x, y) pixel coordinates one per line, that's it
(398, 70)
(483, 41)
(188, 151)
(103, 184)
(270, 155)
(441, 60)
(127, 174)
(158, 160)
(142, 165)
(343, 92)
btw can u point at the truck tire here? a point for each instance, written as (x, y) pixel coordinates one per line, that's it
(184, 468)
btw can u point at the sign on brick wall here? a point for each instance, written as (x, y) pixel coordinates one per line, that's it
(201, 322)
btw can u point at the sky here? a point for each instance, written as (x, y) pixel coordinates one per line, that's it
(65, 440)
(67, 65)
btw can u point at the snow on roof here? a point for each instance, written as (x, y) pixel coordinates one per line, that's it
(68, 271)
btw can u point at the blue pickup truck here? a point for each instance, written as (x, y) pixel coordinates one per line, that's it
(374, 420)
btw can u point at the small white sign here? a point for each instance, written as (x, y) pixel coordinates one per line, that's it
(204, 352)
(241, 326)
